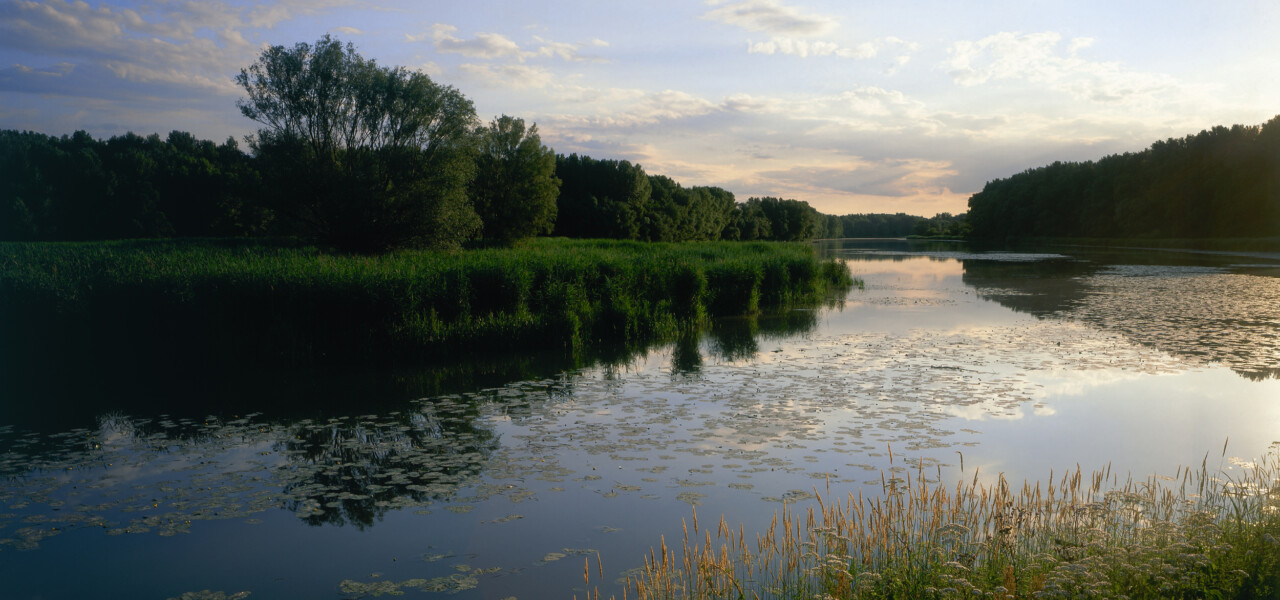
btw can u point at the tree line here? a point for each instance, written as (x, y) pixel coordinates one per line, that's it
(358, 156)
(75, 187)
(1222, 182)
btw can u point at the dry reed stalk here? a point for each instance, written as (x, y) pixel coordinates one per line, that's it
(949, 534)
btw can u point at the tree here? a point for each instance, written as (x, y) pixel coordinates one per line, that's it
(601, 198)
(516, 187)
(361, 156)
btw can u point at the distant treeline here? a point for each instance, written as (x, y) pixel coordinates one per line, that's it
(1220, 183)
(79, 188)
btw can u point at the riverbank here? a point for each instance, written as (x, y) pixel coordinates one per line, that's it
(1198, 534)
(230, 301)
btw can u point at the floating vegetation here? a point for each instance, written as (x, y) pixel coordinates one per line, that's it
(1195, 534)
(451, 584)
(1203, 314)
(208, 595)
(691, 498)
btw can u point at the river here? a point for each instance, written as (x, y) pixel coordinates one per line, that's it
(502, 480)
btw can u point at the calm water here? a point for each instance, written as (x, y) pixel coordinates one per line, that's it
(504, 478)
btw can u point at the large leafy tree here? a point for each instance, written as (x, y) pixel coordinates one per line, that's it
(601, 198)
(361, 156)
(516, 187)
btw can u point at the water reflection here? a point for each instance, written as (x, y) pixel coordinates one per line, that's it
(458, 471)
(1207, 308)
(352, 471)
(147, 470)
(1208, 314)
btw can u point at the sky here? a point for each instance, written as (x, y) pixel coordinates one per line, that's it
(853, 106)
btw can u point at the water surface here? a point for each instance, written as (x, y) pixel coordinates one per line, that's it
(502, 480)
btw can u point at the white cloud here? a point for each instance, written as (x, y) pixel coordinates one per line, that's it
(182, 45)
(888, 177)
(633, 108)
(566, 51)
(497, 46)
(483, 45)
(806, 48)
(771, 17)
(1036, 58)
(348, 30)
(507, 76)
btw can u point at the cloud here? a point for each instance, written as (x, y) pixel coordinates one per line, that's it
(347, 30)
(771, 17)
(185, 45)
(806, 48)
(631, 108)
(1035, 58)
(507, 76)
(890, 177)
(492, 46)
(483, 45)
(568, 52)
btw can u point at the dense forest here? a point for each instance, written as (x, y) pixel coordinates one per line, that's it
(78, 188)
(357, 156)
(1222, 183)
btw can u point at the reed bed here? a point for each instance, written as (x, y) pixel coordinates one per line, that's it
(1199, 534)
(226, 299)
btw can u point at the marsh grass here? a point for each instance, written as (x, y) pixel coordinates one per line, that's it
(227, 301)
(1199, 534)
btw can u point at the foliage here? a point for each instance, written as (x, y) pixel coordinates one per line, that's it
(361, 156)
(679, 214)
(600, 198)
(231, 303)
(789, 220)
(78, 188)
(942, 225)
(1223, 182)
(1207, 535)
(515, 188)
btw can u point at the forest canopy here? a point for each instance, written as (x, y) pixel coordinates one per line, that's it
(1223, 182)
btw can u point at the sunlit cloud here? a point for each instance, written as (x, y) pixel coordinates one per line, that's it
(1036, 58)
(806, 48)
(491, 46)
(770, 17)
(483, 45)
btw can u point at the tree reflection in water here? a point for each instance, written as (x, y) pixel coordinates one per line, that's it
(355, 470)
(156, 467)
(1211, 312)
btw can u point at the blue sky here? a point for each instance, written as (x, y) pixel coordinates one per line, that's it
(906, 106)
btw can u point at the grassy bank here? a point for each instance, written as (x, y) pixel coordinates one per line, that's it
(1196, 535)
(226, 301)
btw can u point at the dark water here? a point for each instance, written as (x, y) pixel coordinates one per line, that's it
(499, 480)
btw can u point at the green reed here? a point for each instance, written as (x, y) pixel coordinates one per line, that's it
(1198, 534)
(296, 304)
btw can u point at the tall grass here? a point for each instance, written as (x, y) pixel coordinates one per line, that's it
(229, 300)
(1197, 535)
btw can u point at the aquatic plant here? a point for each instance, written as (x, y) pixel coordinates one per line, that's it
(1200, 534)
(227, 302)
